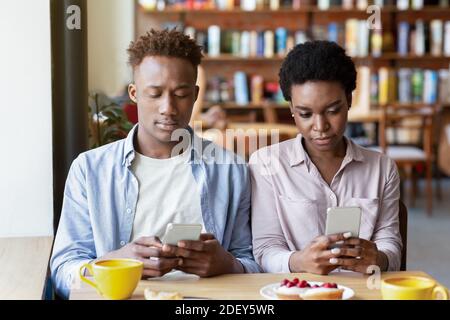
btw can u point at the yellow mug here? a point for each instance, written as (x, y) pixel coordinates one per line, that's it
(412, 288)
(115, 279)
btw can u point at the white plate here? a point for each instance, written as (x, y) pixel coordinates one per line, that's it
(268, 291)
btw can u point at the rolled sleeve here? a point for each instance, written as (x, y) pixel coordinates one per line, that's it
(241, 239)
(387, 231)
(74, 243)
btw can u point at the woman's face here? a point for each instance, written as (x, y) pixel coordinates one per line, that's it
(320, 110)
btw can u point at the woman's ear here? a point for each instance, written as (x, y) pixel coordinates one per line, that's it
(132, 92)
(349, 100)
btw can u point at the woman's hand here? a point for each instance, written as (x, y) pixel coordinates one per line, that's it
(358, 255)
(316, 257)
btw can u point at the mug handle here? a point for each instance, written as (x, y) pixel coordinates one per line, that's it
(440, 290)
(83, 278)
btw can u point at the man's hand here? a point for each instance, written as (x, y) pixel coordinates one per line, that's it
(205, 257)
(316, 257)
(358, 254)
(149, 251)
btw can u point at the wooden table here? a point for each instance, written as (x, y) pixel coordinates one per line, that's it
(23, 267)
(244, 286)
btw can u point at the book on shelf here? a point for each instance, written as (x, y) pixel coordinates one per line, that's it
(402, 38)
(361, 4)
(351, 37)
(323, 4)
(417, 4)
(253, 43)
(260, 44)
(214, 41)
(235, 43)
(419, 38)
(333, 32)
(430, 87)
(447, 39)
(387, 85)
(274, 4)
(436, 30)
(245, 44)
(374, 89)
(444, 86)
(404, 85)
(347, 4)
(363, 39)
(241, 88)
(402, 4)
(417, 85)
(269, 43)
(248, 5)
(376, 43)
(281, 36)
(257, 89)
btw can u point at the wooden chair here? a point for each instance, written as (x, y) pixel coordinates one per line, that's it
(407, 157)
(403, 219)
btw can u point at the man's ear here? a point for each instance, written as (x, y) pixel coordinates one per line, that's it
(197, 91)
(132, 92)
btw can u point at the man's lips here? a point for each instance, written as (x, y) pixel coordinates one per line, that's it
(167, 125)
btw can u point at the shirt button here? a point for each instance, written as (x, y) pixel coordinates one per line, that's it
(331, 196)
(128, 210)
(122, 243)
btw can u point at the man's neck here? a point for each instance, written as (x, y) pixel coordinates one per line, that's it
(155, 149)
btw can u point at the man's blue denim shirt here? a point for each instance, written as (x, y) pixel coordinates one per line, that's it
(101, 194)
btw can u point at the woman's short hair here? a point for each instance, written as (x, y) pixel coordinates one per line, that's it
(317, 61)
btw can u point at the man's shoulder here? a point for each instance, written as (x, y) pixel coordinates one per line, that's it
(212, 153)
(111, 152)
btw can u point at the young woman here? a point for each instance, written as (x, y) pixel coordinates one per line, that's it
(294, 182)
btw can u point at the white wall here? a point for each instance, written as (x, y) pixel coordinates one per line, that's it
(110, 30)
(26, 193)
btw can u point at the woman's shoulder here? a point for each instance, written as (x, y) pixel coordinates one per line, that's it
(278, 151)
(371, 156)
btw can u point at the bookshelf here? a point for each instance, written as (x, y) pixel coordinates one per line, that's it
(314, 23)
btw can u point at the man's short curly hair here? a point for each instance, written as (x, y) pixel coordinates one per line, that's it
(168, 43)
(317, 61)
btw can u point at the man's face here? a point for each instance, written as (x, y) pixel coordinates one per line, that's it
(320, 111)
(165, 91)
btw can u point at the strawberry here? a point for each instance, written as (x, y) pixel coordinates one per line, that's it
(303, 284)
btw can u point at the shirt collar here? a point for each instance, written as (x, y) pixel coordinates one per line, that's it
(129, 151)
(298, 153)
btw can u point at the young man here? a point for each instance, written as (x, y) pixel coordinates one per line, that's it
(120, 197)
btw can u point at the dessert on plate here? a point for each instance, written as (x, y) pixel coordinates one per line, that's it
(303, 290)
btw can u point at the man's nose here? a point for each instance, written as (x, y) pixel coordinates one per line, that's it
(168, 106)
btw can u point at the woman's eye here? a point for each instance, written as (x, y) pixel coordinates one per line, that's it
(334, 111)
(305, 115)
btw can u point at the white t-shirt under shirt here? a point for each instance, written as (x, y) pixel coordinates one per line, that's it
(168, 193)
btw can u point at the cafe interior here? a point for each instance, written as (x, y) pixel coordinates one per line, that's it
(64, 83)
